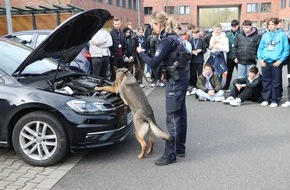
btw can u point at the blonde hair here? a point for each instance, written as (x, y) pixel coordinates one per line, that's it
(163, 20)
(218, 25)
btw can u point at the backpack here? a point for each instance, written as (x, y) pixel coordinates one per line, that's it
(183, 53)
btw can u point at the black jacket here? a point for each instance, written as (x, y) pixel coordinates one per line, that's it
(256, 83)
(245, 48)
(130, 47)
(198, 44)
(118, 37)
(152, 42)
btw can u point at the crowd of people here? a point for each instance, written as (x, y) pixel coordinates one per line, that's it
(241, 48)
(154, 49)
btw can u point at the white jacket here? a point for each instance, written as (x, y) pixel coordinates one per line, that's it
(100, 43)
(221, 42)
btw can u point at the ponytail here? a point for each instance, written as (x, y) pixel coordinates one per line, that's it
(163, 20)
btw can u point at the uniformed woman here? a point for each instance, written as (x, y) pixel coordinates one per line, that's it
(176, 86)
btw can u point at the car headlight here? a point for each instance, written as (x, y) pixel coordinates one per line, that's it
(91, 107)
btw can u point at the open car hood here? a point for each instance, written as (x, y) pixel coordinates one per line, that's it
(69, 38)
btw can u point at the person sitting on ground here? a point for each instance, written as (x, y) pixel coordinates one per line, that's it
(209, 86)
(248, 88)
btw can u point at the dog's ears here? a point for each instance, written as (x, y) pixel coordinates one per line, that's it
(116, 68)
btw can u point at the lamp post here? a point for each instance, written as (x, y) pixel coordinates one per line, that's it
(8, 16)
(139, 14)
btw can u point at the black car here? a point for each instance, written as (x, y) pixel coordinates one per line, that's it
(33, 38)
(47, 109)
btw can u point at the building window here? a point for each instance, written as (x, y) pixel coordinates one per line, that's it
(259, 7)
(254, 23)
(266, 7)
(100, 1)
(148, 10)
(108, 2)
(118, 3)
(251, 7)
(129, 4)
(184, 10)
(135, 5)
(124, 3)
(283, 4)
(170, 9)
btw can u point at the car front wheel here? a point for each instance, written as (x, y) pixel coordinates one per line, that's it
(40, 139)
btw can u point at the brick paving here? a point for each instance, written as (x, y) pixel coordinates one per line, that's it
(15, 174)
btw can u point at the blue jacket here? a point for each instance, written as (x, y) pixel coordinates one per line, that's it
(280, 47)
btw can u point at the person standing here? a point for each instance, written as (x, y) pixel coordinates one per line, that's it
(100, 53)
(140, 65)
(176, 115)
(272, 51)
(118, 47)
(130, 48)
(152, 43)
(232, 35)
(287, 103)
(245, 48)
(196, 64)
(219, 47)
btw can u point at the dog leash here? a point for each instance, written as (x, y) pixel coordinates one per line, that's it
(144, 76)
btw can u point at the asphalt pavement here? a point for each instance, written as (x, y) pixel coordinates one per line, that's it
(239, 148)
(245, 147)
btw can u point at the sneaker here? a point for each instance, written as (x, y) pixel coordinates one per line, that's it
(193, 91)
(148, 75)
(202, 99)
(163, 161)
(142, 85)
(153, 85)
(273, 105)
(180, 154)
(187, 93)
(264, 103)
(286, 104)
(161, 84)
(228, 100)
(219, 99)
(236, 102)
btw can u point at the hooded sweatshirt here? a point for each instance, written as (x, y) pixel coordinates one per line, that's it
(274, 46)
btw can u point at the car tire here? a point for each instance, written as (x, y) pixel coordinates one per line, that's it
(40, 139)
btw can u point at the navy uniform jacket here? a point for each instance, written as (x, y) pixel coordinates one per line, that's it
(165, 47)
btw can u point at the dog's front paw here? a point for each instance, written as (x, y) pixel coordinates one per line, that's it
(141, 156)
(97, 88)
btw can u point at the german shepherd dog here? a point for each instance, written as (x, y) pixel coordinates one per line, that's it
(143, 117)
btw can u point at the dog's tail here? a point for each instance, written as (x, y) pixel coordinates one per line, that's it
(159, 132)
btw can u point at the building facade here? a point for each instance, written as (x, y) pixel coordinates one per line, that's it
(28, 14)
(187, 11)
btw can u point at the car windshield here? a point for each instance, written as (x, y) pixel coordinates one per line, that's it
(11, 56)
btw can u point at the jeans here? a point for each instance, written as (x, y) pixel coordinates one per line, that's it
(271, 80)
(205, 95)
(243, 70)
